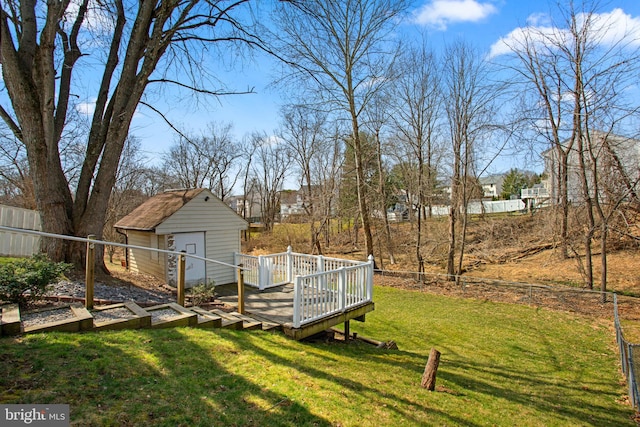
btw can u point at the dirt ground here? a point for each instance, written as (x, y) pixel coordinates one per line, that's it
(517, 248)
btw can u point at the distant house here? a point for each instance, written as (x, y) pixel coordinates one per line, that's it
(247, 206)
(191, 220)
(618, 166)
(291, 203)
(491, 186)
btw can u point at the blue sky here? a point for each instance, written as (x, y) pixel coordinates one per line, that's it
(482, 22)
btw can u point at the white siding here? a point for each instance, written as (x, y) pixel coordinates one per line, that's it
(16, 244)
(221, 226)
(201, 215)
(221, 245)
(140, 261)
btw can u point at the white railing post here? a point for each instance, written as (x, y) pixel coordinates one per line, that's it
(342, 289)
(320, 269)
(297, 302)
(370, 279)
(263, 274)
(289, 264)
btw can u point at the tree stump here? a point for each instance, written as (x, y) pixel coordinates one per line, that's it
(430, 370)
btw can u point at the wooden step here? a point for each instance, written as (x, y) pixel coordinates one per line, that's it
(10, 320)
(228, 321)
(66, 318)
(125, 315)
(248, 323)
(206, 319)
(267, 324)
(171, 315)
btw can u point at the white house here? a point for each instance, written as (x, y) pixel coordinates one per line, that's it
(618, 168)
(192, 220)
(247, 205)
(491, 186)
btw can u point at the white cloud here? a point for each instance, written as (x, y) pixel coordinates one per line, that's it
(97, 18)
(440, 13)
(86, 108)
(522, 36)
(607, 28)
(614, 26)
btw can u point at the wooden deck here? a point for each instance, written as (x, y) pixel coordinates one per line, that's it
(276, 305)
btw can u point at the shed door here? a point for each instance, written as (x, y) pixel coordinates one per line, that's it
(192, 244)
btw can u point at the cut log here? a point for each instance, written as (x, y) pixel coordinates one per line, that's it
(430, 370)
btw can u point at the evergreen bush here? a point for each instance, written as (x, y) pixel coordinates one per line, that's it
(23, 281)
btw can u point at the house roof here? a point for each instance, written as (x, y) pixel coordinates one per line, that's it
(154, 211)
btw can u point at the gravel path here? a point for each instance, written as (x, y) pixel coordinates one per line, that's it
(113, 292)
(47, 316)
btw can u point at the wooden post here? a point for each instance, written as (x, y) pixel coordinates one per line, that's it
(347, 331)
(90, 272)
(181, 273)
(430, 370)
(240, 289)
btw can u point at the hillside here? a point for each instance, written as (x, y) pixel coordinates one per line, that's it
(517, 248)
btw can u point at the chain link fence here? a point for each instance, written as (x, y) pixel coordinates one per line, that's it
(625, 310)
(629, 358)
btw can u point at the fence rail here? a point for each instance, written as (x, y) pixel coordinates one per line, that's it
(91, 242)
(629, 358)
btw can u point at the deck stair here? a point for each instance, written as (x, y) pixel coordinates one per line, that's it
(171, 315)
(267, 325)
(127, 315)
(207, 319)
(239, 321)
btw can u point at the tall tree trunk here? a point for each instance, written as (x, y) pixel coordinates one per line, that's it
(451, 253)
(383, 203)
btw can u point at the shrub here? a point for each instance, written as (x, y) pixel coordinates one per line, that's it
(26, 280)
(202, 293)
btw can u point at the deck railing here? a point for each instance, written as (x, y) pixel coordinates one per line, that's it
(267, 271)
(323, 286)
(324, 294)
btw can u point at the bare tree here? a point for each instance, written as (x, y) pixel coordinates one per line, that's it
(205, 161)
(16, 184)
(580, 69)
(470, 111)
(303, 130)
(342, 49)
(270, 162)
(418, 96)
(42, 46)
(128, 192)
(377, 118)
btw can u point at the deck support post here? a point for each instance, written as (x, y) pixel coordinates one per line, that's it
(181, 274)
(90, 272)
(240, 289)
(347, 331)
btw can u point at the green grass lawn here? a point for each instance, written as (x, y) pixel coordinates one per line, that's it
(501, 364)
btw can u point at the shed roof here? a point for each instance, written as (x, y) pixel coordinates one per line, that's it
(157, 209)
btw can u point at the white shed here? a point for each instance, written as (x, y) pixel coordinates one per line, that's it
(192, 220)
